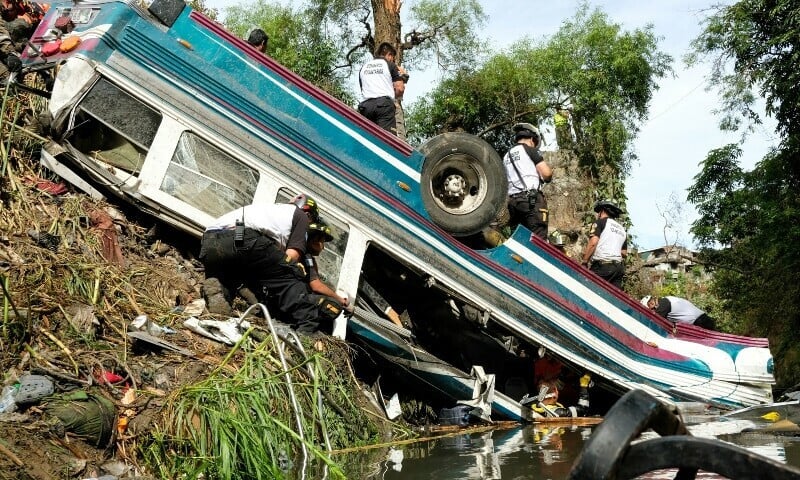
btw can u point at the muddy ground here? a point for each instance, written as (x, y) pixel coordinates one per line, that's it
(77, 272)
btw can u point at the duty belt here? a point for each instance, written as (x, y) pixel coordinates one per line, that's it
(606, 262)
(525, 194)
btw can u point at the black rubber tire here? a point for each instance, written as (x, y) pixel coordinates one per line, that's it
(475, 169)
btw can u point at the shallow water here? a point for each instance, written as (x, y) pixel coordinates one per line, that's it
(526, 452)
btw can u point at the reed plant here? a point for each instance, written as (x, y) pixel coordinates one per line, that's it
(242, 423)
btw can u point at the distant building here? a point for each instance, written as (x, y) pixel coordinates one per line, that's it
(668, 263)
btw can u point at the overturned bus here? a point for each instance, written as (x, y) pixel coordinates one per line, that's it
(164, 109)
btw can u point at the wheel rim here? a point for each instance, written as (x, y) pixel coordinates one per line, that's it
(458, 184)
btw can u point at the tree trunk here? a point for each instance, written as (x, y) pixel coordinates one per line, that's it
(387, 24)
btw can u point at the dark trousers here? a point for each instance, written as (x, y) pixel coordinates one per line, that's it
(380, 110)
(530, 210)
(612, 272)
(706, 322)
(261, 265)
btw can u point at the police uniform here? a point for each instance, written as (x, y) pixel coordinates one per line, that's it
(376, 79)
(258, 260)
(526, 202)
(680, 310)
(607, 256)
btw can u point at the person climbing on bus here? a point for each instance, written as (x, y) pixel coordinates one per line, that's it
(259, 39)
(381, 82)
(608, 244)
(527, 173)
(679, 310)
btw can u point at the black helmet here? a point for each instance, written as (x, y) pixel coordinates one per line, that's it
(610, 207)
(319, 228)
(308, 205)
(526, 130)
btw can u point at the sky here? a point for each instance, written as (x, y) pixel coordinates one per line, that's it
(681, 128)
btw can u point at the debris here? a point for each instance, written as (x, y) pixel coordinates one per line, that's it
(195, 307)
(226, 332)
(45, 240)
(108, 377)
(155, 341)
(143, 324)
(8, 403)
(87, 415)
(45, 185)
(33, 388)
(111, 250)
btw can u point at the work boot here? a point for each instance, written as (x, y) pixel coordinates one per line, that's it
(248, 296)
(214, 294)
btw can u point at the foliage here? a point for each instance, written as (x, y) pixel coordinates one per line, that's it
(299, 40)
(446, 32)
(604, 74)
(200, 6)
(324, 41)
(754, 216)
(242, 423)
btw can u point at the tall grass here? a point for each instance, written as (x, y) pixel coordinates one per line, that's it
(241, 423)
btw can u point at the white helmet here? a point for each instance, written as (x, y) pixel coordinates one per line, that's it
(645, 299)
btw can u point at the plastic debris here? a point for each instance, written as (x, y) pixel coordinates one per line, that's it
(227, 332)
(7, 402)
(143, 324)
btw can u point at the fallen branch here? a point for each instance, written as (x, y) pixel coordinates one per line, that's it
(63, 347)
(8, 453)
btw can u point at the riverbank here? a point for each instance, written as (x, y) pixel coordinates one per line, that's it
(95, 300)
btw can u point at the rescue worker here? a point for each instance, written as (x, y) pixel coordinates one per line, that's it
(564, 137)
(547, 403)
(608, 244)
(679, 310)
(381, 83)
(527, 172)
(556, 239)
(318, 234)
(258, 39)
(263, 247)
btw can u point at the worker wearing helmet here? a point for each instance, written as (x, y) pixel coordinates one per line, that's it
(556, 239)
(608, 244)
(318, 234)
(262, 248)
(527, 172)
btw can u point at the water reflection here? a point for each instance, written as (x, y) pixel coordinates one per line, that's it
(526, 452)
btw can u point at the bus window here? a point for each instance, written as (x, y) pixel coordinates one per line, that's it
(207, 178)
(113, 127)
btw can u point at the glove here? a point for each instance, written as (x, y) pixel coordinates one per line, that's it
(586, 381)
(13, 63)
